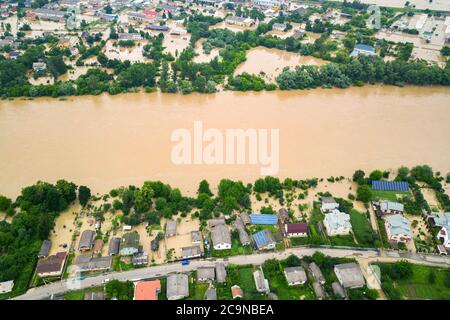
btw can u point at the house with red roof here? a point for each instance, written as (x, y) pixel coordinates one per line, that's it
(298, 229)
(147, 290)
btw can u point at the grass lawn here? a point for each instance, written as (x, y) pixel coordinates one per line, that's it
(79, 295)
(342, 240)
(236, 249)
(119, 265)
(163, 294)
(243, 277)
(384, 238)
(299, 241)
(196, 289)
(387, 195)
(279, 286)
(419, 287)
(362, 228)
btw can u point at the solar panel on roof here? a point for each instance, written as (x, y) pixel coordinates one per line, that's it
(263, 219)
(402, 186)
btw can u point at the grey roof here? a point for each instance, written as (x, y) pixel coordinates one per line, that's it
(171, 227)
(196, 236)
(350, 275)
(338, 290)
(283, 214)
(318, 290)
(244, 237)
(191, 251)
(295, 274)
(398, 225)
(154, 245)
(221, 273)
(261, 283)
(441, 220)
(130, 240)
(245, 217)
(45, 249)
(206, 273)
(140, 259)
(315, 270)
(114, 246)
(337, 219)
(215, 222)
(86, 240)
(92, 264)
(211, 294)
(220, 234)
(328, 200)
(177, 286)
(279, 26)
(386, 205)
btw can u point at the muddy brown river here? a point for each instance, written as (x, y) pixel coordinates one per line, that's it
(108, 141)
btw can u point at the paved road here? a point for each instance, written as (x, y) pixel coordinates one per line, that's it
(163, 270)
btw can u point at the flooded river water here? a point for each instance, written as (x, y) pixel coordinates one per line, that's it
(108, 141)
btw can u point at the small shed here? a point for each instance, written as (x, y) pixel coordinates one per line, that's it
(45, 249)
(114, 246)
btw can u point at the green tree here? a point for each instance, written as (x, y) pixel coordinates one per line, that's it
(364, 193)
(84, 194)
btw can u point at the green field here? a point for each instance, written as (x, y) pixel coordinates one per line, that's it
(243, 277)
(387, 195)
(279, 286)
(419, 286)
(362, 229)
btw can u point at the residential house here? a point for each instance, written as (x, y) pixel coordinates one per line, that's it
(338, 290)
(283, 215)
(45, 249)
(349, 275)
(267, 3)
(154, 245)
(239, 21)
(337, 223)
(147, 290)
(221, 273)
(264, 240)
(298, 33)
(130, 36)
(318, 290)
(191, 252)
(215, 222)
(140, 259)
(177, 32)
(439, 220)
(262, 284)
(157, 27)
(90, 264)
(266, 219)
(196, 237)
(279, 26)
(48, 14)
(114, 246)
(444, 236)
(245, 217)
(6, 286)
(39, 66)
(177, 286)
(398, 228)
(98, 246)
(389, 207)
(13, 55)
(210, 294)
(130, 244)
(220, 237)
(317, 274)
(328, 204)
(108, 17)
(86, 241)
(206, 274)
(298, 229)
(52, 266)
(295, 275)
(362, 49)
(236, 292)
(171, 228)
(244, 238)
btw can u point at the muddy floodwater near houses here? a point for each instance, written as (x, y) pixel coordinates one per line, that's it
(108, 141)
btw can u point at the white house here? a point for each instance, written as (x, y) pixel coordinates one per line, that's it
(389, 207)
(6, 286)
(398, 229)
(444, 236)
(363, 49)
(337, 223)
(221, 238)
(328, 204)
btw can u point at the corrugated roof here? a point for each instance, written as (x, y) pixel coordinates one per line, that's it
(263, 219)
(390, 185)
(263, 238)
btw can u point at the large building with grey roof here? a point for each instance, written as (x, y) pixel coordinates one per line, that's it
(177, 286)
(349, 275)
(398, 228)
(337, 223)
(220, 237)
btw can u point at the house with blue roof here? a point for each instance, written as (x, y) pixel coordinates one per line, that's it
(398, 228)
(264, 240)
(362, 49)
(257, 218)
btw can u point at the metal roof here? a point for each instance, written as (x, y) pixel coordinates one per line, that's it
(263, 219)
(263, 238)
(390, 185)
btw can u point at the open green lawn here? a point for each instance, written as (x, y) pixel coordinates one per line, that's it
(279, 286)
(342, 240)
(79, 295)
(119, 265)
(196, 289)
(362, 229)
(243, 277)
(163, 293)
(420, 288)
(387, 195)
(384, 238)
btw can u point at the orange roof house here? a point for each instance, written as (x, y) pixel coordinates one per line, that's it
(147, 290)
